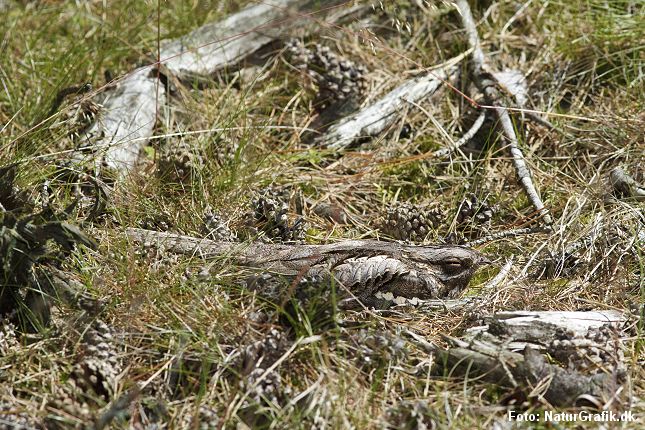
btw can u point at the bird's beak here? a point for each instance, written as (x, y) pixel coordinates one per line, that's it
(484, 261)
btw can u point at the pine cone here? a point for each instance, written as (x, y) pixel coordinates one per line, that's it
(215, 228)
(99, 366)
(8, 340)
(178, 162)
(337, 78)
(255, 361)
(81, 117)
(75, 119)
(473, 210)
(599, 350)
(298, 54)
(206, 419)
(13, 417)
(410, 222)
(69, 409)
(93, 376)
(379, 347)
(270, 217)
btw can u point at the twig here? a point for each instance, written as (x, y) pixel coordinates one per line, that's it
(508, 233)
(420, 341)
(493, 283)
(448, 305)
(465, 138)
(487, 85)
(60, 96)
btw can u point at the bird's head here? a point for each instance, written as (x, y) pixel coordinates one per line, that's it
(452, 266)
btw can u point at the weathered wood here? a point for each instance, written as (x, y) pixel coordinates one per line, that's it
(508, 351)
(488, 85)
(564, 387)
(225, 43)
(374, 119)
(539, 326)
(127, 120)
(131, 106)
(377, 273)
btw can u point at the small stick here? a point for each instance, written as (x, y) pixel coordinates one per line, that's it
(493, 283)
(487, 85)
(508, 233)
(465, 138)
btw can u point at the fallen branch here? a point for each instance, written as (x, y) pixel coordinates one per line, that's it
(374, 119)
(543, 326)
(377, 273)
(127, 120)
(486, 83)
(131, 104)
(226, 43)
(508, 352)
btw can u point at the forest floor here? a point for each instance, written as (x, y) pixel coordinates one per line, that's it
(175, 342)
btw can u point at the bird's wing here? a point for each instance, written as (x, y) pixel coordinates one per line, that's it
(364, 275)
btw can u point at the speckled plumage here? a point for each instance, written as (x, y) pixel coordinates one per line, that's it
(375, 273)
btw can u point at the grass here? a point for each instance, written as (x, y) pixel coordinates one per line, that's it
(187, 340)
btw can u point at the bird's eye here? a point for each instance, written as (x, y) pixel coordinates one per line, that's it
(452, 263)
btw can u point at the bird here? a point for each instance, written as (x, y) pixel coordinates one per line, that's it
(373, 273)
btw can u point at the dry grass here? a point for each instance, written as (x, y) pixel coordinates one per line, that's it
(186, 340)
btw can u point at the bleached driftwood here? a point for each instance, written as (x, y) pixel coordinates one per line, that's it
(488, 85)
(509, 351)
(543, 326)
(377, 273)
(529, 369)
(127, 120)
(374, 119)
(132, 104)
(225, 43)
